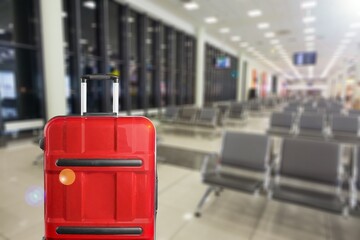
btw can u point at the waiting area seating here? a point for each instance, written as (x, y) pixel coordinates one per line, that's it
(237, 113)
(282, 123)
(306, 172)
(208, 117)
(344, 127)
(187, 115)
(170, 115)
(191, 116)
(312, 125)
(250, 152)
(314, 162)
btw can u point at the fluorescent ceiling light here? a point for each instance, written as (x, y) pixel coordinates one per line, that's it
(211, 20)
(90, 4)
(224, 30)
(2, 31)
(235, 38)
(350, 34)
(355, 25)
(244, 44)
(274, 41)
(309, 30)
(263, 25)
(309, 19)
(191, 6)
(310, 38)
(269, 35)
(254, 13)
(308, 4)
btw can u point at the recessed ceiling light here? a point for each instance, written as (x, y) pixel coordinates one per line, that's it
(355, 25)
(309, 30)
(350, 34)
(310, 38)
(191, 6)
(269, 35)
(263, 25)
(244, 44)
(309, 19)
(274, 41)
(211, 20)
(254, 13)
(235, 38)
(308, 4)
(224, 30)
(90, 4)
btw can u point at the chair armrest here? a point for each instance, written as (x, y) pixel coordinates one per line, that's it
(208, 158)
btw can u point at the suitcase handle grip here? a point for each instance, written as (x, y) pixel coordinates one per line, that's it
(101, 77)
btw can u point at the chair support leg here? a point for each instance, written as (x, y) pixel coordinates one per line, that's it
(203, 200)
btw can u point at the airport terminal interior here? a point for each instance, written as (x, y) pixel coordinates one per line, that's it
(256, 106)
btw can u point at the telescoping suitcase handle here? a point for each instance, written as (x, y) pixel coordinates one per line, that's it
(101, 77)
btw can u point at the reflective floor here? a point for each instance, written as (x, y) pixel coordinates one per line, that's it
(233, 215)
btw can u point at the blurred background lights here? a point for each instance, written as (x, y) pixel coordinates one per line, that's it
(34, 196)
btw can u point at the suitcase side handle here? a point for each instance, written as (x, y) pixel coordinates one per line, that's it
(101, 77)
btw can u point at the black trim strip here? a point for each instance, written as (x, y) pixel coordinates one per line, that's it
(99, 163)
(100, 230)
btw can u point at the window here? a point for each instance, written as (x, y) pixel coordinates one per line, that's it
(155, 62)
(21, 83)
(220, 75)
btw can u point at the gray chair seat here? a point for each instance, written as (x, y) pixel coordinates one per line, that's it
(317, 200)
(229, 181)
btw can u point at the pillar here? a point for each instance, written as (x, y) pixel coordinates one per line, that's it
(53, 57)
(200, 68)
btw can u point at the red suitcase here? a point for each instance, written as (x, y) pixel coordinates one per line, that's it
(100, 174)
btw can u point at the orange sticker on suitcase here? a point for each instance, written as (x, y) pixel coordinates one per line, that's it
(67, 176)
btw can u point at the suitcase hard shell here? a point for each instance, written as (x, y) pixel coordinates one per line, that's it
(100, 178)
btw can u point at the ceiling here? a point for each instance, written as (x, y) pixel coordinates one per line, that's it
(333, 21)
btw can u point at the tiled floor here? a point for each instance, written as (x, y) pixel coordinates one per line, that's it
(233, 215)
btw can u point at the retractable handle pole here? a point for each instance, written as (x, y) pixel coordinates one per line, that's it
(100, 77)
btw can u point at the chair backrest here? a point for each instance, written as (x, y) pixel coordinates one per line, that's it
(311, 160)
(208, 115)
(310, 121)
(283, 120)
(245, 150)
(188, 113)
(171, 112)
(237, 107)
(340, 123)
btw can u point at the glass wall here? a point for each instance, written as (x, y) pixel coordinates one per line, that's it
(155, 62)
(21, 82)
(221, 73)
